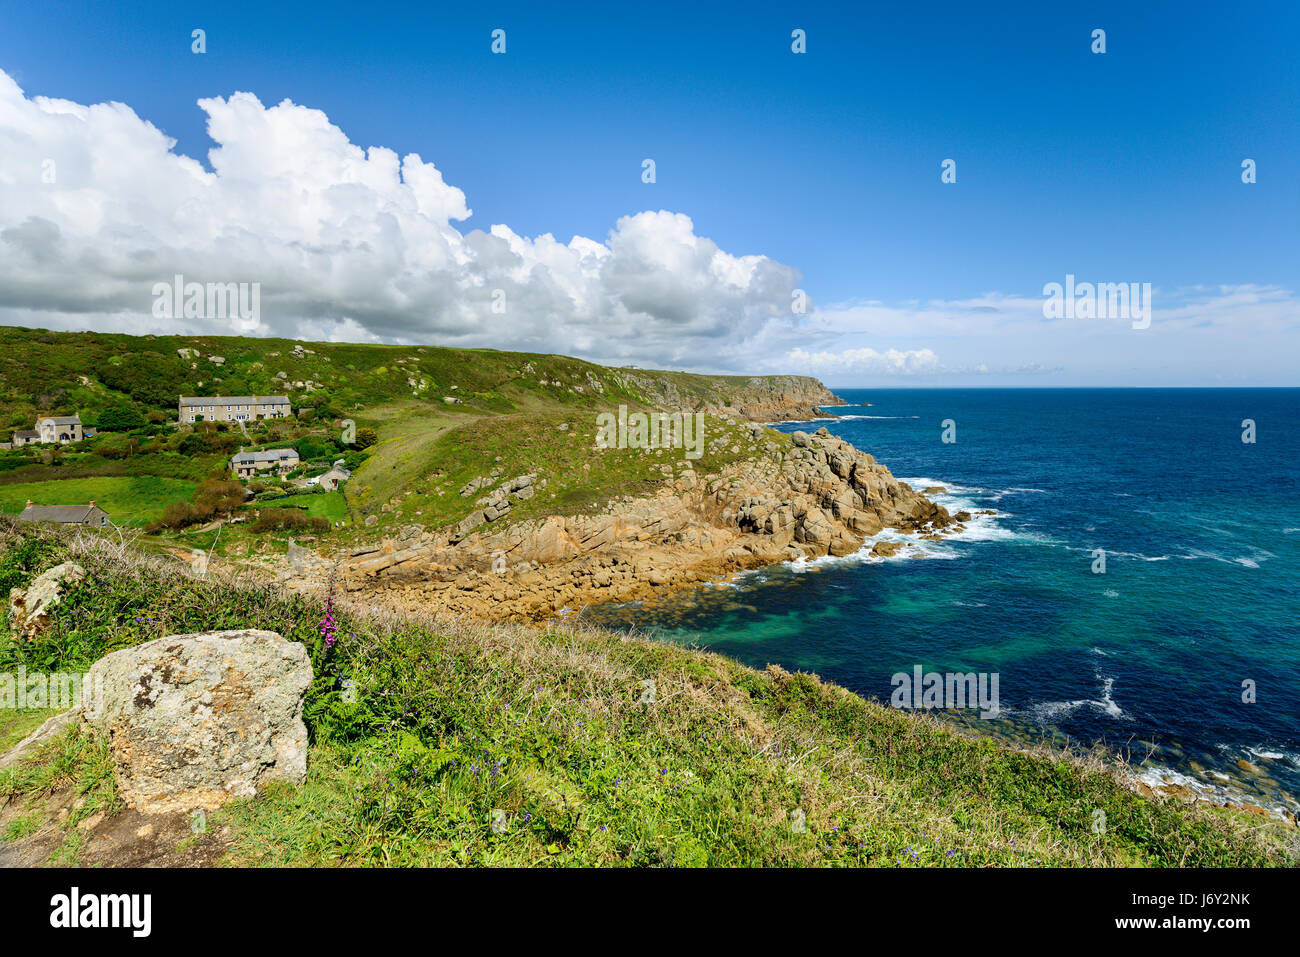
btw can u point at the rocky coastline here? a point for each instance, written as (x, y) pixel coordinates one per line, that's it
(817, 496)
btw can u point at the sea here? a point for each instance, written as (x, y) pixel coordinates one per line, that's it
(1135, 585)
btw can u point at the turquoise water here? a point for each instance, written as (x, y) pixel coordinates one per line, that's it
(1199, 594)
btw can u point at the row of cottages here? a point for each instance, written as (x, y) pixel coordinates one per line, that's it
(249, 464)
(232, 408)
(53, 430)
(90, 514)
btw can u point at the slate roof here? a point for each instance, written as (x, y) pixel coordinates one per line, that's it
(66, 514)
(267, 455)
(234, 400)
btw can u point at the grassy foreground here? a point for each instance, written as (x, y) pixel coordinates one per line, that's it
(556, 735)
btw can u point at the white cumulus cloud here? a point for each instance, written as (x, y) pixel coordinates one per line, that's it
(96, 207)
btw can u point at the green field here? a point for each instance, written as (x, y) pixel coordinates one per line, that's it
(129, 500)
(329, 505)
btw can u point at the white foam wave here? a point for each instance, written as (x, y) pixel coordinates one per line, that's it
(1249, 561)
(1158, 775)
(1051, 711)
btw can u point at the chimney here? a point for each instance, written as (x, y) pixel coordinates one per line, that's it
(29, 503)
(92, 503)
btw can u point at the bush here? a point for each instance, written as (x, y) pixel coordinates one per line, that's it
(213, 498)
(180, 515)
(289, 520)
(366, 438)
(316, 447)
(223, 495)
(122, 418)
(21, 560)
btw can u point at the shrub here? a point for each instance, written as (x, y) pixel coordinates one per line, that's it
(180, 515)
(288, 520)
(122, 418)
(316, 447)
(214, 497)
(223, 495)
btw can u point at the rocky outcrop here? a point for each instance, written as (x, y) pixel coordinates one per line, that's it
(757, 398)
(29, 608)
(194, 721)
(818, 496)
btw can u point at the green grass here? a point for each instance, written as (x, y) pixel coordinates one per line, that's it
(73, 760)
(17, 723)
(23, 825)
(420, 474)
(452, 724)
(129, 500)
(43, 371)
(329, 505)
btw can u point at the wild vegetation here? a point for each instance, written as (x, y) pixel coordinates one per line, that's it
(586, 748)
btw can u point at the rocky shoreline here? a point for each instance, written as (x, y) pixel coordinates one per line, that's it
(817, 496)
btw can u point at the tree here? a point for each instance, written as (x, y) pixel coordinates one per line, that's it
(121, 418)
(366, 438)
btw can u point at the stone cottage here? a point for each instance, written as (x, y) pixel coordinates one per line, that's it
(90, 514)
(247, 465)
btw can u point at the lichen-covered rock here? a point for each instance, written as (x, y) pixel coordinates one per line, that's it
(29, 609)
(194, 721)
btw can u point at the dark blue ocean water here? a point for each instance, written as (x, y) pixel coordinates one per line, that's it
(1199, 594)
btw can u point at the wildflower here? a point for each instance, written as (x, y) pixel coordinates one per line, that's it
(329, 624)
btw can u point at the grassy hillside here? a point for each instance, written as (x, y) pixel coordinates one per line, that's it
(131, 500)
(442, 417)
(554, 729)
(44, 372)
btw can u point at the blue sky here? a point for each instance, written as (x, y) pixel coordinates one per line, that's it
(1116, 167)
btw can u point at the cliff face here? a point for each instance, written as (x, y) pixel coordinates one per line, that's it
(820, 497)
(756, 398)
